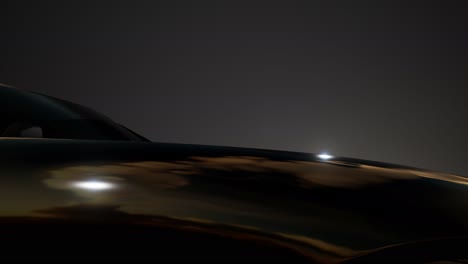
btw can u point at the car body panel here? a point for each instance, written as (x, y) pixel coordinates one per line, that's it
(321, 210)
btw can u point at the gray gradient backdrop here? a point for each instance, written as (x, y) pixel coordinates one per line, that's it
(386, 82)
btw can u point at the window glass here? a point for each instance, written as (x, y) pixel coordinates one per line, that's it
(25, 114)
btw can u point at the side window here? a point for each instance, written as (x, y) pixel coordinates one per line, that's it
(22, 130)
(30, 115)
(134, 134)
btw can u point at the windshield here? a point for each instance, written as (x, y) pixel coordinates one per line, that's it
(26, 114)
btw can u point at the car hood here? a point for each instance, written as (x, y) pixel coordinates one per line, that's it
(325, 209)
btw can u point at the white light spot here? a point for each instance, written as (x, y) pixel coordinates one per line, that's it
(94, 185)
(325, 156)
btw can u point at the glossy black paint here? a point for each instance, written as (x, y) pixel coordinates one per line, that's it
(87, 199)
(321, 210)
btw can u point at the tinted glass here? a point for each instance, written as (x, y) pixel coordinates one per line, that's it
(23, 112)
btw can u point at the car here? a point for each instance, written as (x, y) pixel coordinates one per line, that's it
(76, 185)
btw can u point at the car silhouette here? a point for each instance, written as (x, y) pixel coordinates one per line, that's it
(77, 186)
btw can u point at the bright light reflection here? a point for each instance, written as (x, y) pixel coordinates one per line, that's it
(325, 156)
(94, 185)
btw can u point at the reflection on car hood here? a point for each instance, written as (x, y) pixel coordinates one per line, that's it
(326, 209)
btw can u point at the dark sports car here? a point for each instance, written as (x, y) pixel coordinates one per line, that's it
(75, 185)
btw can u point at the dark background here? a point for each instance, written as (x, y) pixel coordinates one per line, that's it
(384, 82)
